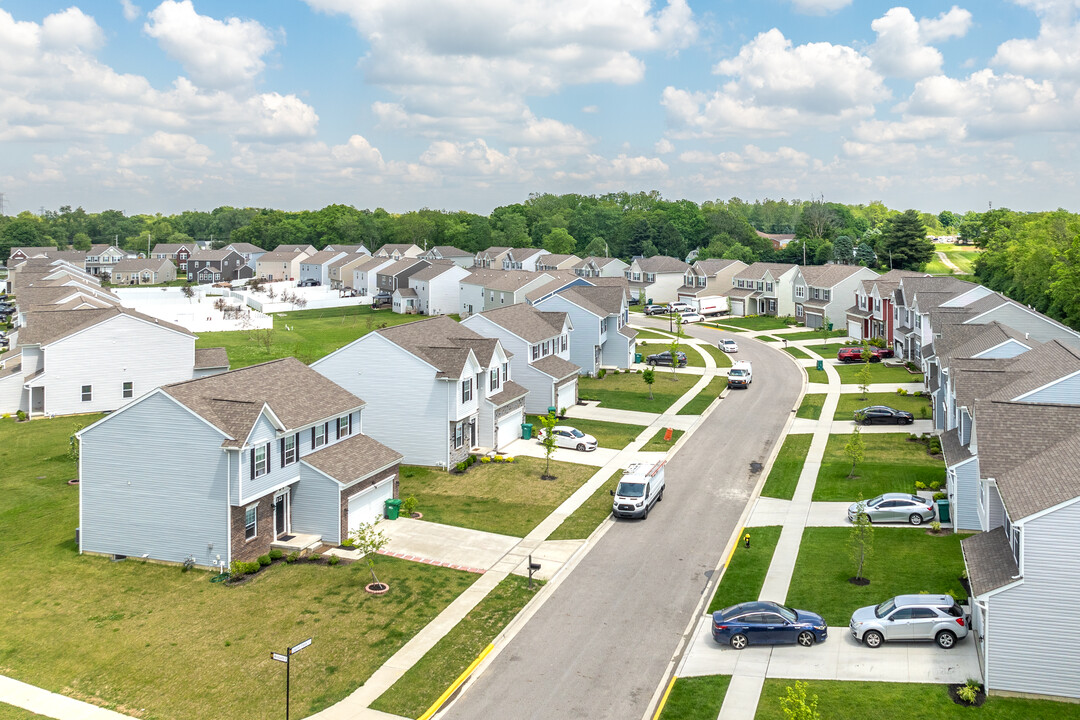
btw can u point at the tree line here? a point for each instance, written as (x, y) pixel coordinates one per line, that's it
(614, 224)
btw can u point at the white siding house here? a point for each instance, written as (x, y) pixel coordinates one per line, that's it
(599, 334)
(658, 278)
(439, 288)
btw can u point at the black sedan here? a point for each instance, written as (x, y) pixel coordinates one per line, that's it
(664, 358)
(883, 414)
(767, 623)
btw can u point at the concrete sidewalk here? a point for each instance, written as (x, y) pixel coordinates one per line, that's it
(51, 704)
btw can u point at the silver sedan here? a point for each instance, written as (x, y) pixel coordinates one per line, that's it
(895, 507)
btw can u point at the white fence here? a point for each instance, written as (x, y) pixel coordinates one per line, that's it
(197, 313)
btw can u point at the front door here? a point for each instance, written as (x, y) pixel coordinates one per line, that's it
(281, 515)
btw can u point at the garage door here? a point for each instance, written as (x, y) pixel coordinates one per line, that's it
(854, 329)
(368, 505)
(737, 307)
(508, 428)
(567, 395)
(813, 321)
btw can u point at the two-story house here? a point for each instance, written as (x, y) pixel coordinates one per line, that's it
(177, 252)
(350, 249)
(231, 466)
(599, 333)
(764, 288)
(656, 279)
(308, 249)
(18, 254)
(435, 390)
(95, 360)
(280, 265)
(250, 253)
(317, 266)
(143, 272)
(522, 259)
(341, 270)
(593, 266)
(550, 261)
(397, 274)
(399, 251)
(872, 314)
(487, 289)
(538, 343)
(822, 293)
(491, 258)
(913, 301)
(461, 258)
(101, 258)
(365, 275)
(706, 284)
(211, 266)
(438, 287)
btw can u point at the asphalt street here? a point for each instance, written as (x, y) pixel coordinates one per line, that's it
(599, 646)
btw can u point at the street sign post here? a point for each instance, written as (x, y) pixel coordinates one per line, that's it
(289, 652)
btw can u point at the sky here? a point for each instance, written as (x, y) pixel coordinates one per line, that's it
(180, 105)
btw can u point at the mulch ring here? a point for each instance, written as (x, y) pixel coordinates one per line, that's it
(980, 697)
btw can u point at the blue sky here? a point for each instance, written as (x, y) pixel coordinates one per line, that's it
(463, 104)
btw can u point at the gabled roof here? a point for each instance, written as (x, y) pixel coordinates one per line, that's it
(399, 247)
(1038, 367)
(140, 265)
(827, 276)
(510, 391)
(712, 266)
(279, 256)
(211, 358)
(520, 254)
(293, 248)
(528, 323)
(661, 264)
(493, 252)
(211, 255)
(964, 341)
(405, 292)
(433, 271)
(953, 450)
(599, 261)
(99, 249)
(756, 271)
(351, 249)
(555, 367)
(245, 248)
(989, 561)
(322, 257)
(503, 280)
(170, 248)
(352, 459)
(48, 326)
(554, 260)
(558, 280)
(41, 297)
(889, 281)
(352, 259)
(34, 251)
(449, 251)
(233, 401)
(1031, 450)
(600, 301)
(439, 341)
(400, 266)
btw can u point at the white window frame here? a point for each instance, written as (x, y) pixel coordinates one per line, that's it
(261, 465)
(459, 435)
(289, 455)
(466, 391)
(128, 389)
(505, 371)
(87, 393)
(493, 378)
(251, 527)
(319, 439)
(344, 426)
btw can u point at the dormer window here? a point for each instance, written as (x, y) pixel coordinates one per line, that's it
(466, 390)
(493, 379)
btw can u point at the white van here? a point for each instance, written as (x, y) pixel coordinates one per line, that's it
(740, 375)
(641, 487)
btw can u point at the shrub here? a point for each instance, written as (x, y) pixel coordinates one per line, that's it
(911, 366)
(508, 458)
(264, 560)
(348, 542)
(6, 416)
(601, 373)
(924, 413)
(939, 496)
(935, 526)
(901, 391)
(276, 554)
(498, 458)
(21, 415)
(877, 342)
(933, 446)
(485, 460)
(470, 461)
(408, 505)
(314, 557)
(460, 467)
(292, 557)
(935, 484)
(240, 568)
(968, 692)
(920, 485)
(333, 560)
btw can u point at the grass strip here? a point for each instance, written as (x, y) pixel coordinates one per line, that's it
(659, 444)
(816, 376)
(797, 353)
(424, 682)
(850, 402)
(581, 523)
(784, 475)
(811, 405)
(744, 576)
(627, 391)
(849, 374)
(607, 434)
(694, 698)
(703, 399)
(891, 463)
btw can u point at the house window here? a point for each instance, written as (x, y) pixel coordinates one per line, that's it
(288, 450)
(564, 343)
(535, 352)
(87, 393)
(702, 282)
(466, 391)
(318, 435)
(768, 287)
(260, 461)
(506, 371)
(251, 517)
(826, 295)
(129, 389)
(459, 435)
(760, 285)
(739, 283)
(344, 426)
(798, 311)
(800, 292)
(877, 304)
(494, 379)
(637, 276)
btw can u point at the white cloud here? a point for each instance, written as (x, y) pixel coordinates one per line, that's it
(71, 29)
(216, 54)
(664, 146)
(163, 148)
(953, 23)
(819, 7)
(590, 109)
(776, 87)
(131, 10)
(1055, 52)
(902, 48)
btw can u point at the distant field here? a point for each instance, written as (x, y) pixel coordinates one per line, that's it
(963, 256)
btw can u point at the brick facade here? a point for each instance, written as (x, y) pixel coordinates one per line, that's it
(509, 408)
(459, 454)
(248, 550)
(359, 488)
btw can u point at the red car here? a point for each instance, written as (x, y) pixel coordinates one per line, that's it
(854, 354)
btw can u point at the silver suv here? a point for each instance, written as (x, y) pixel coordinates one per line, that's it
(911, 618)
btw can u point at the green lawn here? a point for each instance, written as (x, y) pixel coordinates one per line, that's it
(797, 353)
(723, 360)
(878, 374)
(784, 475)
(743, 578)
(816, 376)
(891, 463)
(693, 358)
(314, 334)
(627, 391)
(658, 444)
(768, 338)
(850, 402)
(703, 399)
(840, 700)
(424, 682)
(905, 560)
(962, 256)
(11, 712)
(650, 335)
(581, 523)
(936, 267)
(812, 335)
(505, 498)
(828, 350)
(758, 322)
(727, 328)
(607, 434)
(141, 637)
(810, 408)
(696, 698)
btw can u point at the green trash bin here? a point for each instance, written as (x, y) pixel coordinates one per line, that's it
(393, 508)
(943, 510)
(526, 431)
(552, 410)
(638, 357)
(820, 364)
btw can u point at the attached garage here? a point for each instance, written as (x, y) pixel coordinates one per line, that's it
(367, 506)
(566, 395)
(738, 307)
(508, 427)
(854, 329)
(813, 320)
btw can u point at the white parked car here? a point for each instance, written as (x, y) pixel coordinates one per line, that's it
(728, 346)
(570, 437)
(691, 317)
(679, 307)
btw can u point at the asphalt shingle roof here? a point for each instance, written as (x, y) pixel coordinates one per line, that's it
(756, 271)
(989, 560)
(527, 322)
(352, 459)
(827, 276)
(439, 341)
(211, 358)
(47, 326)
(510, 391)
(556, 367)
(599, 300)
(662, 264)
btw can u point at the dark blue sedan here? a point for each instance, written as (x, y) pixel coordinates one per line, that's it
(767, 623)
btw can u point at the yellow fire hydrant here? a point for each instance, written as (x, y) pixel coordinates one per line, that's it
(746, 540)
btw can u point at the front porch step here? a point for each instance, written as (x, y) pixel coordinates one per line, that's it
(300, 543)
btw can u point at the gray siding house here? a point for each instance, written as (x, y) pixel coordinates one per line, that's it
(599, 334)
(230, 466)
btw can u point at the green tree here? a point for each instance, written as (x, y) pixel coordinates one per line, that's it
(559, 242)
(648, 376)
(844, 250)
(369, 541)
(648, 249)
(597, 247)
(864, 254)
(548, 441)
(824, 253)
(903, 244)
(861, 538)
(81, 241)
(797, 706)
(855, 449)
(676, 343)
(818, 220)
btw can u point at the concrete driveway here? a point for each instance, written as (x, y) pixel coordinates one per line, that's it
(838, 658)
